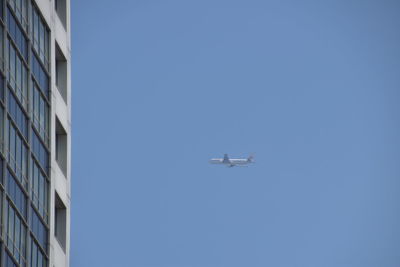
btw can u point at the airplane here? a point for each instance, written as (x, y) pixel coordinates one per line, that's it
(232, 162)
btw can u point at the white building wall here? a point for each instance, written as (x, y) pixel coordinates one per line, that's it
(60, 182)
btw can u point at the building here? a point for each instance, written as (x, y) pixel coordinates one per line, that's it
(35, 133)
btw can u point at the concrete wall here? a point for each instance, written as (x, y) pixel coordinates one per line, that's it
(60, 108)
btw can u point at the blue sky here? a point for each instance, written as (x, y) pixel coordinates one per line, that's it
(312, 88)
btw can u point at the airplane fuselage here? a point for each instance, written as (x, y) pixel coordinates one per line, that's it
(231, 162)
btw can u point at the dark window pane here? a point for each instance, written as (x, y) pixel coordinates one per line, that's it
(40, 75)
(40, 37)
(17, 114)
(17, 34)
(18, 77)
(39, 188)
(40, 151)
(39, 230)
(16, 235)
(9, 262)
(17, 154)
(16, 194)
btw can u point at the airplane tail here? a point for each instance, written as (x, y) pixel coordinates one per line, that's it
(250, 158)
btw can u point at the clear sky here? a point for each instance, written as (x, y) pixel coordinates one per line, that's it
(312, 88)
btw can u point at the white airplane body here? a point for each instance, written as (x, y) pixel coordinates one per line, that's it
(232, 162)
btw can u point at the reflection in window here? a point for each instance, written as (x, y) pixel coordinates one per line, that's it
(39, 113)
(1, 85)
(1, 180)
(9, 262)
(17, 154)
(1, 44)
(16, 194)
(17, 34)
(39, 229)
(1, 128)
(18, 75)
(39, 190)
(16, 235)
(17, 115)
(40, 75)
(20, 8)
(40, 37)
(1, 9)
(37, 257)
(39, 151)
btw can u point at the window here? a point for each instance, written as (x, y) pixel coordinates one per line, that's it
(61, 9)
(39, 113)
(40, 76)
(16, 235)
(17, 154)
(37, 257)
(1, 179)
(40, 187)
(1, 203)
(1, 42)
(39, 151)
(1, 9)
(1, 86)
(20, 8)
(1, 129)
(16, 194)
(40, 37)
(61, 73)
(39, 230)
(18, 75)
(61, 147)
(9, 261)
(17, 115)
(60, 221)
(17, 34)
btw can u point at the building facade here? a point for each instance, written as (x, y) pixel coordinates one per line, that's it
(35, 133)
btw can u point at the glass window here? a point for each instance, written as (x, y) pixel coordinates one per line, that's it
(37, 257)
(1, 129)
(40, 187)
(11, 144)
(35, 29)
(1, 179)
(39, 113)
(9, 262)
(1, 87)
(17, 34)
(20, 9)
(39, 230)
(1, 205)
(17, 154)
(16, 194)
(40, 37)
(18, 75)
(40, 76)
(40, 151)
(16, 235)
(11, 62)
(17, 115)
(1, 9)
(1, 44)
